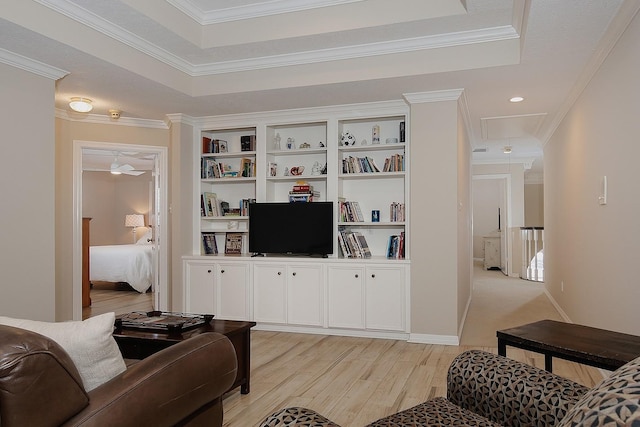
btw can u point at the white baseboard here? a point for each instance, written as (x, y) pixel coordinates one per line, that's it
(434, 339)
(564, 315)
(391, 335)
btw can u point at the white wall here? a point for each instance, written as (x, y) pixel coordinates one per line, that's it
(594, 249)
(27, 209)
(533, 205)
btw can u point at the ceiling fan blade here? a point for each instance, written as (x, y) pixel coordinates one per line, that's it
(125, 168)
(134, 173)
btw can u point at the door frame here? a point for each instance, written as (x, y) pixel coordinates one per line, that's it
(161, 233)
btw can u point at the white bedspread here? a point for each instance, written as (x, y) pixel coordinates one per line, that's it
(122, 263)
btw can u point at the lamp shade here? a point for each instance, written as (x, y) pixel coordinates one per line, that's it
(81, 105)
(134, 220)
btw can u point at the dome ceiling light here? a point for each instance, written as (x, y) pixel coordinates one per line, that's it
(81, 105)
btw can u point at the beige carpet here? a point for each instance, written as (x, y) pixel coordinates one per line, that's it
(501, 302)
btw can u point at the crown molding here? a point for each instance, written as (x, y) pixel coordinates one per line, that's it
(179, 118)
(107, 120)
(250, 11)
(31, 65)
(433, 96)
(526, 162)
(81, 15)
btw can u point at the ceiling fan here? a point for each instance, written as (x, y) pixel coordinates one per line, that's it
(116, 167)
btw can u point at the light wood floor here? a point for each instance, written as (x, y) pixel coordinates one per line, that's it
(352, 381)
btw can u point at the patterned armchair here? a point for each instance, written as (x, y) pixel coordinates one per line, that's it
(484, 389)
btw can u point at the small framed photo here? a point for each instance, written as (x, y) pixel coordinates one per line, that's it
(273, 169)
(223, 146)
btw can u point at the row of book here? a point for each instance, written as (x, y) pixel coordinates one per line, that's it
(395, 248)
(396, 212)
(350, 211)
(303, 192)
(213, 145)
(210, 168)
(211, 206)
(353, 244)
(232, 246)
(352, 164)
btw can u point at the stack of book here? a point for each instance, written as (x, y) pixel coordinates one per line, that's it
(353, 244)
(209, 243)
(359, 165)
(303, 192)
(350, 211)
(395, 248)
(396, 212)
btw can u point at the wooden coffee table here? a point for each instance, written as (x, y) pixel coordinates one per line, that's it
(583, 344)
(138, 344)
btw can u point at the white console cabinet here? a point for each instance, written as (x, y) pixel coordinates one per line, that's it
(219, 288)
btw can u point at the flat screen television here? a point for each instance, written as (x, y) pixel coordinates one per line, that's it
(291, 228)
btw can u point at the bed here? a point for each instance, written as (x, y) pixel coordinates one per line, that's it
(132, 264)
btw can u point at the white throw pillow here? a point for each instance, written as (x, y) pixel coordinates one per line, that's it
(89, 343)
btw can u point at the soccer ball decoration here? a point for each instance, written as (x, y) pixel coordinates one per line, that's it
(348, 139)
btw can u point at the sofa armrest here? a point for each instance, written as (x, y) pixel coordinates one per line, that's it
(175, 386)
(509, 392)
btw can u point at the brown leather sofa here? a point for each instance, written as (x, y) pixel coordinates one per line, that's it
(179, 386)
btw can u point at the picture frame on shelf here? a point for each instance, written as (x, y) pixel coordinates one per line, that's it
(223, 146)
(273, 169)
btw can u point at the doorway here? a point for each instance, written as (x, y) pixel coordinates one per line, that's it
(156, 218)
(492, 217)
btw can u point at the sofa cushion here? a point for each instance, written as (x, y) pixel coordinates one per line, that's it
(89, 343)
(615, 401)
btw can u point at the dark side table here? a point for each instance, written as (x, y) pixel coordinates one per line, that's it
(577, 343)
(140, 343)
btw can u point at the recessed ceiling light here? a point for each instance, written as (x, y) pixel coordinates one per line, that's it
(81, 105)
(517, 99)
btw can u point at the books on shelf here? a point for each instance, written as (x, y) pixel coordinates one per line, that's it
(353, 244)
(210, 145)
(210, 168)
(359, 165)
(209, 243)
(395, 248)
(248, 143)
(233, 244)
(350, 211)
(395, 163)
(396, 212)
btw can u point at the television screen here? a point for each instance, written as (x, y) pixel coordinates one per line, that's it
(291, 228)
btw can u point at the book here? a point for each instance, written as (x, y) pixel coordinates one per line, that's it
(248, 143)
(233, 244)
(209, 243)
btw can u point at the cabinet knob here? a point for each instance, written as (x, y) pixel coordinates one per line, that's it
(294, 273)
(221, 271)
(373, 276)
(279, 273)
(357, 276)
(208, 271)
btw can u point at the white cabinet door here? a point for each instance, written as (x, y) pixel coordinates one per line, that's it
(305, 295)
(385, 298)
(270, 293)
(233, 291)
(345, 297)
(199, 288)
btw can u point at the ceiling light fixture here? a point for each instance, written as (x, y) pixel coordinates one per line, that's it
(517, 99)
(506, 149)
(81, 105)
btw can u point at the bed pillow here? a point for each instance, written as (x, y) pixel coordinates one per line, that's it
(144, 240)
(89, 343)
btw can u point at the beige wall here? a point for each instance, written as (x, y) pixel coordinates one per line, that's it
(465, 238)
(66, 133)
(594, 249)
(107, 198)
(486, 201)
(534, 205)
(27, 191)
(434, 218)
